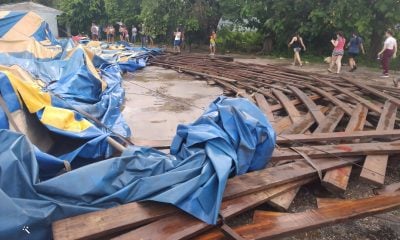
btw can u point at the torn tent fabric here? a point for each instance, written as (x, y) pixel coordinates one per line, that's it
(56, 82)
(231, 137)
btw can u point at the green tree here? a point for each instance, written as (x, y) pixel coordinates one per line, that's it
(79, 14)
(126, 11)
(196, 17)
(316, 20)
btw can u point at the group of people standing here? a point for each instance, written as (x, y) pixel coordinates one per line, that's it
(123, 33)
(354, 47)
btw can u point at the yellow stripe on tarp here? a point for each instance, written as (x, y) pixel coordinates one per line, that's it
(35, 100)
(30, 93)
(29, 45)
(63, 119)
(24, 28)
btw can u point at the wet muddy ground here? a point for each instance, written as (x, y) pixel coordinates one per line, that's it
(157, 100)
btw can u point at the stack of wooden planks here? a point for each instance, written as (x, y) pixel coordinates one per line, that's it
(325, 124)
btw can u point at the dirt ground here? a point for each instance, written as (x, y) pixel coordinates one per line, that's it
(157, 100)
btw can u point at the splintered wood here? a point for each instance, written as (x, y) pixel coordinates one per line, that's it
(336, 123)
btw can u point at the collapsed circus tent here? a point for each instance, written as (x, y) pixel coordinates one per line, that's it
(49, 83)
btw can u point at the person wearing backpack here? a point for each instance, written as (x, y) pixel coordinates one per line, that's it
(354, 46)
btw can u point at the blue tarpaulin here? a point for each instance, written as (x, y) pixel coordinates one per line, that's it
(231, 137)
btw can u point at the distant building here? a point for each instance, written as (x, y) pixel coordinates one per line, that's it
(47, 13)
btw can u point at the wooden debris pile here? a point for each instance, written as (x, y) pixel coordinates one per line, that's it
(326, 125)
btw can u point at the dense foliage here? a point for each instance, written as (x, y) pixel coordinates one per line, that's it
(276, 21)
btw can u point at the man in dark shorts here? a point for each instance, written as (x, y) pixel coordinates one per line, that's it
(354, 46)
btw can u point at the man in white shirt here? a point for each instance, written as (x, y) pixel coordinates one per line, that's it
(388, 51)
(134, 34)
(95, 32)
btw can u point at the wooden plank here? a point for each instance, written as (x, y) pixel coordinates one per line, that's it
(302, 125)
(338, 136)
(265, 108)
(283, 201)
(375, 92)
(330, 122)
(352, 95)
(374, 168)
(102, 223)
(189, 71)
(311, 106)
(291, 110)
(255, 89)
(267, 225)
(184, 226)
(358, 119)
(339, 150)
(336, 180)
(331, 98)
(240, 92)
(282, 124)
(277, 107)
(260, 180)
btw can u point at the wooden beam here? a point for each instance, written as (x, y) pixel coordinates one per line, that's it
(265, 107)
(338, 136)
(291, 110)
(102, 223)
(184, 226)
(270, 177)
(277, 107)
(283, 201)
(374, 168)
(341, 150)
(352, 95)
(106, 222)
(331, 98)
(336, 180)
(240, 92)
(311, 106)
(303, 125)
(269, 225)
(375, 92)
(282, 124)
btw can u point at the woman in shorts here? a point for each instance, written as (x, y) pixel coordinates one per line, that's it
(213, 39)
(354, 47)
(338, 52)
(297, 44)
(177, 40)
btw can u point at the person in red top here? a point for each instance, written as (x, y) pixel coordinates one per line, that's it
(338, 52)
